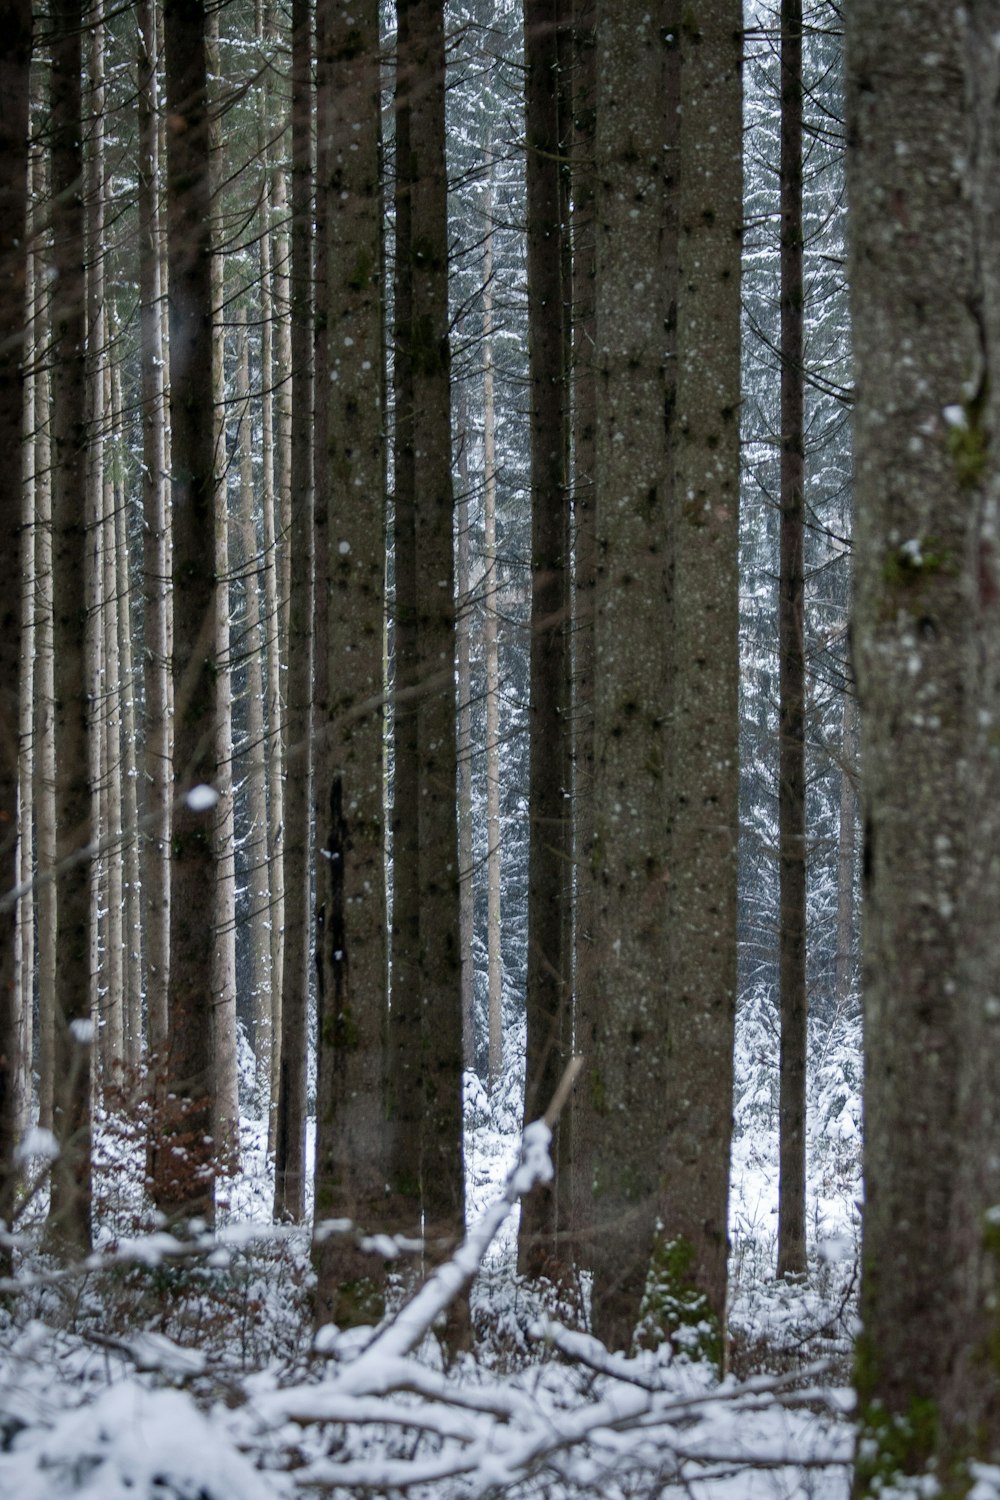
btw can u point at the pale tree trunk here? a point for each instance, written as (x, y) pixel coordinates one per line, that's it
(846, 842)
(916, 503)
(351, 1130)
(254, 769)
(278, 544)
(463, 631)
(25, 946)
(69, 1210)
(549, 857)
(273, 748)
(130, 810)
(618, 1122)
(491, 652)
(290, 1128)
(704, 642)
(156, 558)
(792, 670)
(44, 765)
(102, 627)
(226, 1126)
(15, 63)
(183, 1183)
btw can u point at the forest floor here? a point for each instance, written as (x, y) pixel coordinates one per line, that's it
(167, 1372)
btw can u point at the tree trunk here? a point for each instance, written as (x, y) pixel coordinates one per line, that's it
(351, 1142)
(156, 558)
(619, 1117)
(421, 97)
(575, 1174)
(15, 64)
(290, 1131)
(253, 771)
(69, 1211)
(226, 1109)
(184, 1181)
(925, 611)
(463, 634)
(792, 669)
(704, 645)
(130, 809)
(844, 982)
(491, 652)
(549, 856)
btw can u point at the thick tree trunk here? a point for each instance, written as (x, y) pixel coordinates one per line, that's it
(792, 669)
(925, 615)
(351, 1142)
(619, 1118)
(184, 1165)
(704, 644)
(463, 637)
(15, 63)
(549, 855)
(846, 843)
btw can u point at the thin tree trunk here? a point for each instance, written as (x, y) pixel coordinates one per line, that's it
(576, 1174)
(463, 631)
(44, 768)
(254, 771)
(156, 558)
(491, 652)
(130, 810)
(69, 1210)
(846, 845)
(25, 949)
(15, 64)
(289, 1172)
(549, 857)
(226, 1109)
(792, 669)
(184, 1182)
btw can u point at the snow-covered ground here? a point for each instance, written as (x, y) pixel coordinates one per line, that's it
(187, 1376)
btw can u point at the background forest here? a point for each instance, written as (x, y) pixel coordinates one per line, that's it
(429, 715)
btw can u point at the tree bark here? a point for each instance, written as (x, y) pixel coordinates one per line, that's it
(351, 1147)
(15, 64)
(792, 669)
(619, 1119)
(549, 856)
(156, 557)
(704, 644)
(923, 596)
(491, 652)
(184, 1166)
(290, 1131)
(69, 1211)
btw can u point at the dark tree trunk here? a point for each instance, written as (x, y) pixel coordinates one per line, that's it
(351, 1154)
(792, 669)
(69, 1214)
(549, 856)
(184, 1182)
